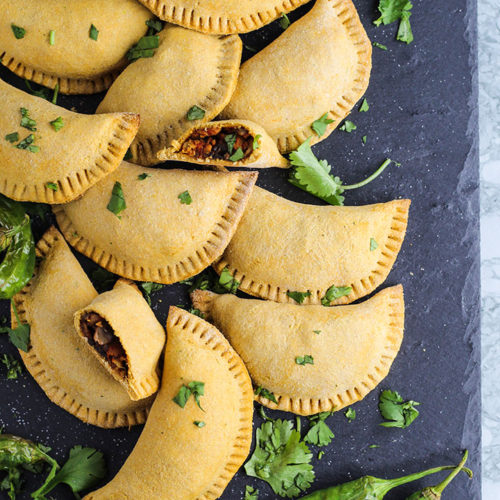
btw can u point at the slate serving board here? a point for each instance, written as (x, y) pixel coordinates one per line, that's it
(423, 113)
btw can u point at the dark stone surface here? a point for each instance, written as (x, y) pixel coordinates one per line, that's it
(423, 113)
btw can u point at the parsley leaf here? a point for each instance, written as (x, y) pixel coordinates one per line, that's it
(260, 391)
(195, 113)
(299, 297)
(195, 389)
(251, 493)
(394, 10)
(319, 433)
(284, 21)
(320, 125)
(238, 155)
(117, 201)
(19, 336)
(185, 198)
(148, 288)
(398, 412)
(93, 33)
(334, 293)
(230, 140)
(350, 414)
(348, 126)
(143, 176)
(373, 245)
(256, 142)
(57, 124)
(307, 359)
(227, 281)
(14, 137)
(26, 121)
(145, 47)
(18, 31)
(52, 185)
(379, 46)
(14, 368)
(364, 106)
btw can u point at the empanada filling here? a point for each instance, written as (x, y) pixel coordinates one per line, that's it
(219, 143)
(101, 337)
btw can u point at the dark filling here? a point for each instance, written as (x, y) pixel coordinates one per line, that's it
(218, 143)
(101, 337)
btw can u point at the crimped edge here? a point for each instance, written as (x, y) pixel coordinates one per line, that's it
(107, 420)
(360, 288)
(219, 238)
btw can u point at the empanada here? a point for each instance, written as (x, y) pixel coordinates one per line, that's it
(81, 59)
(67, 372)
(320, 65)
(123, 333)
(311, 358)
(194, 441)
(177, 222)
(281, 247)
(189, 71)
(229, 143)
(51, 155)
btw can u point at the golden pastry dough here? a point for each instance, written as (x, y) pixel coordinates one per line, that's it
(352, 347)
(175, 458)
(188, 69)
(68, 161)
(158, 238)
(76, 62)
(320, 64)
(66, 371)
(281, 246)
(122, 325)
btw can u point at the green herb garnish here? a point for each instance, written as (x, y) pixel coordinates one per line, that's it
(148, 287)
(237, 155)
(230, 140)
(251, 493)
(317, 332)
(198, 423)
(260, 391)
(145, 47)
(52, 37)
(373, 245)
(14, 137)
(348, 127)
(256, 142)
(57, 124)
(307, 359)
(154, 25)
(399, 413)
(52, 185)
(284, 21)
(26, 121)
(350, 414)
(319, 434)
(18, 31)
(379, 46)
(227, 281)
(195, 113)
(143, 176)
(93, 33)
(195, 389)
(364, 139)
(185, 198)
(117, 201)
(364, 106)
(14, 368)
(321, 453)
(27, 143)
(396, 10)
(334, 293)
(321, 124)
(299, 297)
(19, 336)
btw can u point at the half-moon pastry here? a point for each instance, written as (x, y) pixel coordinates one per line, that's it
(229, 143)
(51, 155)
(320, 65)
(123, 333)
(79, 45)
(329, 254)
(221, 16)
(200, 427)
(311, 358)
(189, 80)
(177, 222)
(67, 372)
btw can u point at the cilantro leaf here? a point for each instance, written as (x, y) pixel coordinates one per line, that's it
(317, 332)
(154, 25)
(199, 424)
(334, 293)
(364, 139)
(148, 288)
(405, 33)
(26, 121)
(364, 106)
(350, 414)
(195, 113)
(117, 202)
(348, 127)
(145, 47)
(321, 124)
(256, 142)
(14, 368)
(19, 336)
(321, 454)
(14, 137)
(299, 297)
(143, 176)
(27, 143)
(284, 21)
(251, 493)
(57, 124)
(237, 155)
(394, 10)
(307, 359)
(230, 140)
(185, 198)
(260, 391)
(52, 185)
(93, 33)
(379, 46)
(398, 412)
(18, 31)
(227, 281)
(195, 389)
(373, 244)
(319, 433)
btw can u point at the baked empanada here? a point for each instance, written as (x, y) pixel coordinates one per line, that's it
(229, 143)
(311, 358)
(86, 49)
(330, 254)
(189, 80)
(123, 333)
(320, 65)
(200, 427)
(67, 372)
(177, 222)
(51, 155)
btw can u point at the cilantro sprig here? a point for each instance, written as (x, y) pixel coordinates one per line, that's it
(396, 411)
(261, 391)
(195, 389)
(319, 434)
(396, 10)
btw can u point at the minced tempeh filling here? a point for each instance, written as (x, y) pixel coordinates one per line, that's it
(101, 337)
(218, 143)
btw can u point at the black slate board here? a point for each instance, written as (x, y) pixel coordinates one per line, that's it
(423, 113)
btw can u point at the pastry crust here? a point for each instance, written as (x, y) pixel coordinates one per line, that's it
(82, 152)
(221, 16)
(158, 238)
(57, 358)
(320, 64)
(201, 70)
(174, 458)
(352, 352)
(76, 62)
(281, 246)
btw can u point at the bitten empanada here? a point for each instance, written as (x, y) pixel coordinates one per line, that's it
(51, 155)
(229, 143)
(311, 358)
(123, 333)
(189, 80)
(331, 254)
(86, 49)
(175, 224)
(67, 372)
(320, 65)
(194, 441)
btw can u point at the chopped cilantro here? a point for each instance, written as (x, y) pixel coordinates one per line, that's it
(57, 124)
(319, 434)
(394, 10)
(334, 293)
(27, 143)
(307, 359)
(93, 33)
(43, 92)
(230, 140)
(237, 155)
(14, 368)
(145, 47)
(19, 336)
(148, 287)
(374, 446)
(117, 202)
(299, 297)
(373, 245)
(227, 281)
(143, 176)
(397, 412)
(364, 139)
(26, 121)
(320, 454)
(195, 113)
(52, 37)
(195, 389)
(185, 198)
(14, 137)
(52, 185)
(321, 124)
(284, 21)
(379, 46)
(260, 391)
(154, 25)
(350, 414)
(348, 126)
(56, 93)
(18, 31)
(317, 332)
(198, 423)
(364, 106)
(256, 142)
(251, 493)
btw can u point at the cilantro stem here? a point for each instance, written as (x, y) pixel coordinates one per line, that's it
(371, 177)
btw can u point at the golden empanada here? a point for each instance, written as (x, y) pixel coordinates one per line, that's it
(319, 65)
(67, 372)
(282, 247)
(123, 333)
(194, 441)
(311, 358)
(189, 80)
(177, 222)
(229, 143)
(51, 155)
(86, 49)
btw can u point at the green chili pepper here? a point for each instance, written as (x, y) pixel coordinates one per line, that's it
(16, 239)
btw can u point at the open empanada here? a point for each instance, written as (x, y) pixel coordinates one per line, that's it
(67, 372)
(86, 49)
(320, 65)
(51, 155)
(177, 222)
(189, 80)
(311, 358)
(229, 143)
(194, 441)
(123, 333)
(282, 247)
